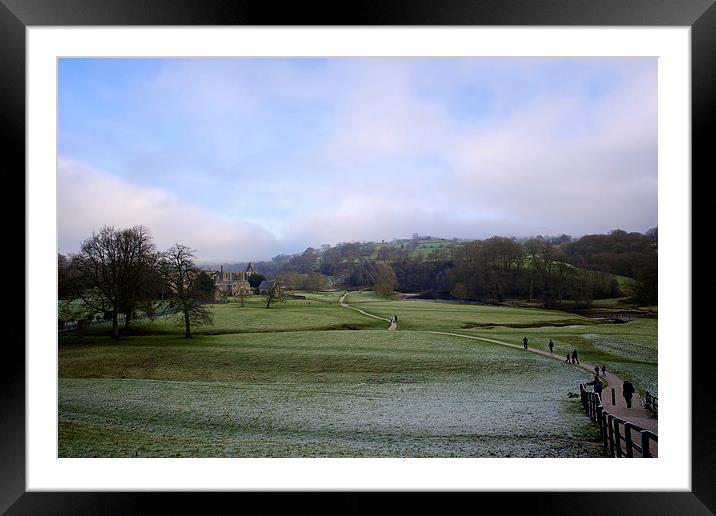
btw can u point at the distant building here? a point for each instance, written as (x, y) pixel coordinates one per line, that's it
(265, 286)
(231, 283)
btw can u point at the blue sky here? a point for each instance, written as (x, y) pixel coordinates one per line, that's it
(247, 158)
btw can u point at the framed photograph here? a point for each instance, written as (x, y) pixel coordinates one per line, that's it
(414, 249)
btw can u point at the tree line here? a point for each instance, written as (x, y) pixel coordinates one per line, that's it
(120, 271)
(500, 268)
(549, 269)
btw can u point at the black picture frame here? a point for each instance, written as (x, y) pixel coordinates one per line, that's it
(17, 15)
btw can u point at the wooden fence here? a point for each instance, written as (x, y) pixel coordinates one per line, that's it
(651, 403)
(620, 438)
(76, 326)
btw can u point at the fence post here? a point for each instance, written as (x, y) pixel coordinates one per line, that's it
(614, 401)
(610, 424)
(628, 441)
(617, 438)
(609, 432)
(605, 439)
(645, 451)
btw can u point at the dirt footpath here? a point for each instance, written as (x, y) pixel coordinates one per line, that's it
(637, 414)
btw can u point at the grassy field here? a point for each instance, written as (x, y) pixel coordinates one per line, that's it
(314, 394)
(316, 313)
(628, 349)
(435, 315)
(309, 378)
(420, 250)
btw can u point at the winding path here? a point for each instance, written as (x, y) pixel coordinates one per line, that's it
(342, 302)
(637, 414)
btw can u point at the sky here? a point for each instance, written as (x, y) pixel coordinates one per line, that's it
(246, 158)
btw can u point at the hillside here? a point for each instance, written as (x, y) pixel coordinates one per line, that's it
(553, 271)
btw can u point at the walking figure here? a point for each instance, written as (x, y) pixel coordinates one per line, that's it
(551, 345)
(567, 357)
(524, 342)
(597, 385)
(604, 370)
(395, 318)
(596, 370)
(628, 391)
(575, 360)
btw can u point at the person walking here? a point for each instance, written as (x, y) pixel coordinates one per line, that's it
(597, 385)
(575, 360)
(568, 357)
(596, 370)
(604, 370)
(551, 345)
(524, 342)
(628, 391)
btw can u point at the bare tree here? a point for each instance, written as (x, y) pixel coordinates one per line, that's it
(315, 282)
(459, 291)
(275, 294)
(181, 275)
(142, 284)
(65, 283)
(385, 280)
(110, 267)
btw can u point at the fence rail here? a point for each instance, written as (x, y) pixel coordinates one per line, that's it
(651, 403)
(70, 327)
(75, 326)
(620, 438)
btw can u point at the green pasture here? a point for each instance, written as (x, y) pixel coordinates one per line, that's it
(422, 250)
(309, 378)
(630, 350)
(435, 315)
(316, 313)
(315, 394)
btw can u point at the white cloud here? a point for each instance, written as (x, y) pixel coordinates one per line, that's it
(564, 162)
(371, 149)
(576, 164)
(88, 199)
(385, 215)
